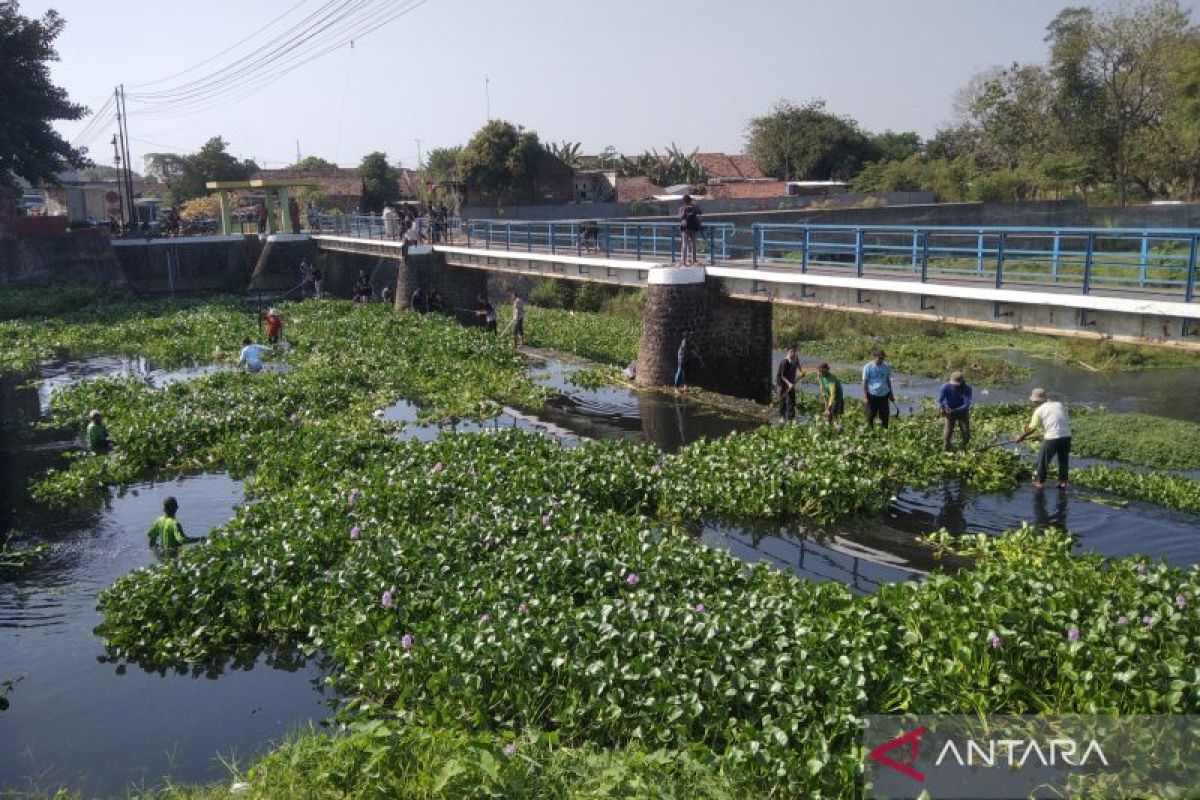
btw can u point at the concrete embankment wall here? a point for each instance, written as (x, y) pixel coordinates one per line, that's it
(71, 258)
(188, 264)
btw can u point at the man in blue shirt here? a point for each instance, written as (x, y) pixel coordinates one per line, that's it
(954, 401)
(877, 390)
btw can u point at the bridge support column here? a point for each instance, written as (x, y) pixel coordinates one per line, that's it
(278, 267)
(427, 270)
(733, 337)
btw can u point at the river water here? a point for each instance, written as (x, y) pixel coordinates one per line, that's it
(99, 727)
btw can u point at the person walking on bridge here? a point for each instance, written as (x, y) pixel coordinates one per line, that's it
(786, 376)
(954, 401)
(877, 390)
(1051, 417)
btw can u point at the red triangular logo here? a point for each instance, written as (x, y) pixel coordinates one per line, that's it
(913, 740)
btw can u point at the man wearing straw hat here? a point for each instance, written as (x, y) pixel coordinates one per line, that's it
(1051, 417)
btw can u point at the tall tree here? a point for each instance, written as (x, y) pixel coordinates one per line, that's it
(29, 101)
(314, 162)
(897, 145)
(380, 182)
(498, 159)
(442, 163)
(186, 175)
(808, 142)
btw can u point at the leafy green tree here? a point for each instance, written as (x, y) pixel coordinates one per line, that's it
(29, 101)
(897, 145)
(808, 142)
(669, 169)
(442, 163)
(567, 152)
(186, 175)
(313, 162)
(498, 159)
(380, 182)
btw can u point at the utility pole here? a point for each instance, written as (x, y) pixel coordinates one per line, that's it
(120, 180)
(297, 151)
(123, 125)
(487, 95)
(418, 141)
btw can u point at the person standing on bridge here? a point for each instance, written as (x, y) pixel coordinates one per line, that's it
(391, 221)
(313, 217)
(786, 375)
(877, 390)
(1051, 417)
(954, 401)
(689, 227)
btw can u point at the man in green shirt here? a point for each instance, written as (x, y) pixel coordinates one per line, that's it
(832, 400)
(97, 434)
(166, 532)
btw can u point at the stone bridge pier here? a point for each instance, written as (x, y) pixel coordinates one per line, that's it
(731, 336)
(427, 270)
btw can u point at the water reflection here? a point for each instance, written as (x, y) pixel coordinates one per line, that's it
(172, 721)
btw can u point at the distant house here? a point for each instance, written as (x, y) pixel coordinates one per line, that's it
(636, 188)
(722, 167)
(595, 185)
(342, 186)
(549, 181)
(746, 190)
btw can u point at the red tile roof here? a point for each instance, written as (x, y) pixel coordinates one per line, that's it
(723, 165)
(633, 188)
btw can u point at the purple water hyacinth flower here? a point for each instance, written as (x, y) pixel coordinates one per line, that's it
(406, 641)
(522, 609)
(510, 749)
(546, 520)
(1140, 569)
(1122, 620)
(484, 617)
(438, 468)
(1073, 634)
(995, 640)
(632, 579)
(474, 519)
(355, 533)
(656, 469)
(353, 497)
(1180, 602)
(387, 601)
(700, 608)
(1148, 621)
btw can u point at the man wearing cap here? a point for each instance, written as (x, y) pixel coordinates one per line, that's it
(954, 401)
(832, 400)
(1051, 417)
(877, 390)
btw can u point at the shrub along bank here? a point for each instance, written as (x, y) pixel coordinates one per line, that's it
(509, 606)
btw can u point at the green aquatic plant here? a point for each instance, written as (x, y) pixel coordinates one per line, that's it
(1169, 491)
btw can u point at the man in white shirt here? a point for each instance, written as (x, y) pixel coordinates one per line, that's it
(251, 356)
(1051, 417)
(390, 218)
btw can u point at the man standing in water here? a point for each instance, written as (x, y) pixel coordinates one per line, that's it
(97, 434)
(166, 532)
(518, 320)
(877, 390)
(251, 356)
(1051, 417)
(832, 399)
(786, 375)
(954, 401)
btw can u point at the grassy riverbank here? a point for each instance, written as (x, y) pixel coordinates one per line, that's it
(506, 616)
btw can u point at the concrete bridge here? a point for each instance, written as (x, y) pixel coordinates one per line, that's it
(1132, 286)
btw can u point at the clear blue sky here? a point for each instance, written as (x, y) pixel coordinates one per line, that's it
(635, 74)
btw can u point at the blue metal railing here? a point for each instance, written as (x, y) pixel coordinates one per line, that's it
(1079, 259)
(372, 226)
(1158, 260)
(642, 241)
